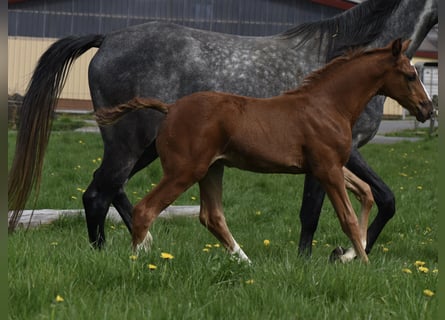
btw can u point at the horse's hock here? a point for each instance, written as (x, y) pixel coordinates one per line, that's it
(14, 103)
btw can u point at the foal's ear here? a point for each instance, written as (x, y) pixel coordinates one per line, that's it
(396, 47)
(405, 45)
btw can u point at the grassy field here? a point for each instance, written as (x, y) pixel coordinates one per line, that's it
(54, 274)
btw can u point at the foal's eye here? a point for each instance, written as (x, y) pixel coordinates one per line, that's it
(411, 77)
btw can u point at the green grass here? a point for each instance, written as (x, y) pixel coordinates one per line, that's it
(57, 260)
(419, 133)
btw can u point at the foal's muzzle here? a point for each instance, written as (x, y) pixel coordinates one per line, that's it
(425, 111)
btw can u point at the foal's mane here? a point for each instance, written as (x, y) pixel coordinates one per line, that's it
(330, 67)
(368, 19)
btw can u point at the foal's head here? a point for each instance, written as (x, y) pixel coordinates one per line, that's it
(402, 83)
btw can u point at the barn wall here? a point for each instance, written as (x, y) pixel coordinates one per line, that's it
(23, 54)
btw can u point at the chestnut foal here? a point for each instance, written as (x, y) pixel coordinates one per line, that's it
(306, 130)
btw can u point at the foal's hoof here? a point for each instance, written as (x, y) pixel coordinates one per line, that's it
(336, 254)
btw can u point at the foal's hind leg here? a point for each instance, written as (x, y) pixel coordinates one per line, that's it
(211, 214)
(148, 209)
(334, 184)
(363, 193)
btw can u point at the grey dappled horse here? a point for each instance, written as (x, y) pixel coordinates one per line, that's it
(167, 61)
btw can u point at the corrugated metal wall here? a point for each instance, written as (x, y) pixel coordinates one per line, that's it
(55, 19)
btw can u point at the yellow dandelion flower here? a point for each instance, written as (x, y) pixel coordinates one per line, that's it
(208, 245)
(406, 270)
(165, 255)
(206, 250)
(112, 227)
(250, 281)
(216, 245)
(419, 187)
(59, 298)
(193, 198)
(428, 292)
(133, 257)
(419, 263)
(151, 266)
(385, 249)
(258, 213)
(423, 269)
(73, 198)
(266, 242)
(403, 174)
(314, 242)
(435, 270)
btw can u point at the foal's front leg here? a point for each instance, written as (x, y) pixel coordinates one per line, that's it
(334, 185)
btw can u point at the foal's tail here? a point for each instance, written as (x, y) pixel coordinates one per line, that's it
(35, 119)
(108, 116)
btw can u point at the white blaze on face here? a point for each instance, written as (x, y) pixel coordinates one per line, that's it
(426, 91)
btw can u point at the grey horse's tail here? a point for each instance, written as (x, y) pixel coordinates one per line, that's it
(108, 116)
(35, 119)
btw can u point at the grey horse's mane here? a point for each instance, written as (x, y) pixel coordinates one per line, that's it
(370, 20)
